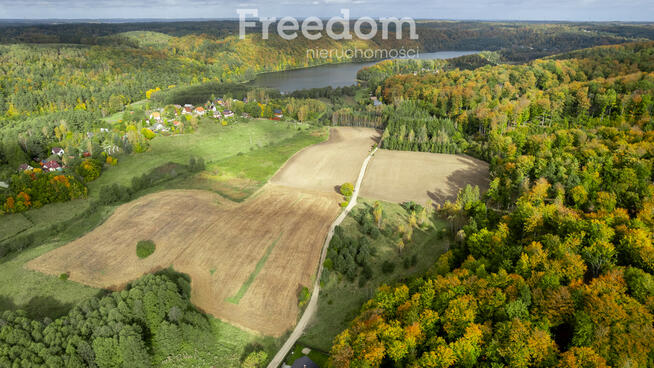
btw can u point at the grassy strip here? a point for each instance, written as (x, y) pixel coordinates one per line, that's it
(261, 164)
(246, 285)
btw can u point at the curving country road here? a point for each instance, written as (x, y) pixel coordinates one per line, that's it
(313, 302)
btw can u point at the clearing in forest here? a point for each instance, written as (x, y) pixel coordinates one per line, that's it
(401, 176)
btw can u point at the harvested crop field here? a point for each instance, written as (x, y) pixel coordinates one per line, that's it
(247, 260)
(401, 176)
(327, 165)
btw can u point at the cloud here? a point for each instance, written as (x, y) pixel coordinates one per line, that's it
(628, 10)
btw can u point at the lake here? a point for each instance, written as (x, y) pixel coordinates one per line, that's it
(335, 75)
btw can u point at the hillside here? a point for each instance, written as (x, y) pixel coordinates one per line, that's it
(553, 266)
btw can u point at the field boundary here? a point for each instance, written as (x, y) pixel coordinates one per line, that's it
(311, 308)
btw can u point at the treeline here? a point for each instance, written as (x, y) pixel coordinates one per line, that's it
(140, 326)
(553, 266)
(199, 94)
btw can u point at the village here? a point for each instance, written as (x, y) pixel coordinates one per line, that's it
(167, 120)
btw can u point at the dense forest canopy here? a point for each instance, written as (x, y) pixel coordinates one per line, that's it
(554, 265)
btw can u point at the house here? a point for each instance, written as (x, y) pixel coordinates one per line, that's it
(187, 110)
(51, 166)
(58, 151)
(217, 115)
(228, 113)
(86, 154)
(200, 111)
(24, 167)
(104, 130)
(278, 113)
(176, 123)
(156, 115)
(304, 362)
(246, 115)
(159, 128)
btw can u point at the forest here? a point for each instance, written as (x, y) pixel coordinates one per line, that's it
(141, 326)
(553, 266)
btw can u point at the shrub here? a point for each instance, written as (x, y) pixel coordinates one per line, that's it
(347, 189)
(63, 276)
(144, 248)
(89, 169)
(304, 296)
(344, 204)
(388, 267)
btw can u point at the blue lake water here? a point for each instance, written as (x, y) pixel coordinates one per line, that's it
(335, 75)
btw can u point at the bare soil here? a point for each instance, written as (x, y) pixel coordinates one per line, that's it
(325, 166)
(401, 176)
(218, 243)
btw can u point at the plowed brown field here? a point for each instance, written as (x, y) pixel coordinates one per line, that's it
(218, 243)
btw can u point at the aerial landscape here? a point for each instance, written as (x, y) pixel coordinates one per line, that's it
(327, 184)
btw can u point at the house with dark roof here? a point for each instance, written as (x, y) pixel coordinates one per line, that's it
(304, 362)
(228, 113)
(24, 167)
(58, 151)
(51, 166)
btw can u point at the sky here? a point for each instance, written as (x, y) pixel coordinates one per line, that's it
(576, 10)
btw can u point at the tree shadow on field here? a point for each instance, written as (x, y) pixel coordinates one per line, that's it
(473, 174)
(40, 307)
